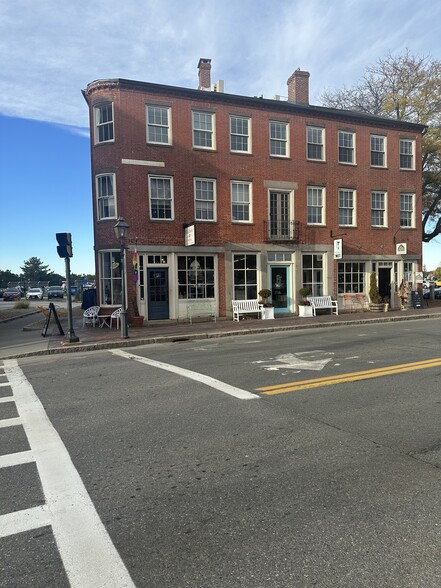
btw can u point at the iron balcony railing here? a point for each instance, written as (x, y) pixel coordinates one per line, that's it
(282, 231)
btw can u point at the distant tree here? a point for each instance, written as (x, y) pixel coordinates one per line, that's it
(34, 270)
(405, 87)
(8, 276)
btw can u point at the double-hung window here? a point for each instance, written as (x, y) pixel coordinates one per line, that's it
(378, 209)
(161, 197)
(158, 125)
(346, 207)
(378, 151)
(315, 198)
(103, 117)
(241, 202)
(346, 147)
(240, 134)
(203, 130)
(407, 210)
(279, 144)
(205, 199)
(315, 143)
(106, 196)
(407, 154)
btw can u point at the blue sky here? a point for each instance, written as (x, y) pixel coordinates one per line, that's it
(51, 49)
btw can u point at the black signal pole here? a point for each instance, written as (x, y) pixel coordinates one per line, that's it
(70, 337)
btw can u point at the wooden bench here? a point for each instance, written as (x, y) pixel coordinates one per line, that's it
(246, 307)
(323, 303)
(201, 309)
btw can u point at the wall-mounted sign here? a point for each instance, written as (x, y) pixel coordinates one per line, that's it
(418, 277)
(338, 248)
(190, 235)
(401, 248)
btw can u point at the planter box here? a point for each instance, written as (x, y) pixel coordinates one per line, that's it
(376, 307)
(305, 310)
(268, 313)
(137, 321)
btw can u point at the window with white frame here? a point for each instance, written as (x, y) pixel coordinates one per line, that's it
(315, 143)
(407, 154)
(161, 197)
(407, 210)
(315, 205)
(203, 130)
(312, 273)
(110, 278)
(106, 196)
(408, 271)
(240, 134)
(279, 145)
(346, 147)
(241, 202)
(196, 276)
(103, 117)
(346, 207)
(378, 209)
(378, 151)
(245, 276)
(350, 277)
(205, 199)
(158, 125)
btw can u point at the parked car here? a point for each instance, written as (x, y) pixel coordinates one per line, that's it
(34, 293)
(55, 292)
(12, 294)
(437, 293)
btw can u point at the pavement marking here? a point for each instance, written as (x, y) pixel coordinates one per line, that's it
(207, 380)
(349, 377)
(24, 520)
(13, 422)
(7, 399)
(88, 554)
(13, 459)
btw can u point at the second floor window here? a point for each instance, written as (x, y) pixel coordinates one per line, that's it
(346, 147)
(105, 188)
(240, 134)
(407, 148)
(161, 197)
(205, 198)
(203, 130)
(279, 139)
(103, 123)
(346, 207)
(378, 209)
(241, 201)
(407, 219)
(315, 143)
(158, 125)
(315, 205)
(378, 151)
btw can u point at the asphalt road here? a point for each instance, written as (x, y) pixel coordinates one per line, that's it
(201, 479)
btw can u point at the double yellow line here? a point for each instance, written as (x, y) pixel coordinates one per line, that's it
(352, 377)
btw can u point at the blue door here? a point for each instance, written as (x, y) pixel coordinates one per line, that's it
(157, 287)
(280, 288)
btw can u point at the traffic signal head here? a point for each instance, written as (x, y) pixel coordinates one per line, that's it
(64, 241)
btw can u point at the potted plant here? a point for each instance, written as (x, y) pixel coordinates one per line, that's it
(268, 308)
(136, 320)
(305, 308)
(376, 301)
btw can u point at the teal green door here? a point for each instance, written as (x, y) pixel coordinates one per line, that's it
(281, 296)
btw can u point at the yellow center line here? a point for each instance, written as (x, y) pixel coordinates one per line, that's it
(350, 377)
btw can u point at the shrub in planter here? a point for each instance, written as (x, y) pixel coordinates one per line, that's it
(374, 294)
(265, 295)
(304, 293)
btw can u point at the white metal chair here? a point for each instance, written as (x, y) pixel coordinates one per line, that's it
(115, 316)
(90, 315)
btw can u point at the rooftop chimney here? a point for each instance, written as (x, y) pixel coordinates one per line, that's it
(204, 67)
(298, 87)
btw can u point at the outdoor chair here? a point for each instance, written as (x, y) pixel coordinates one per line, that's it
(90, 316)
(115, 316)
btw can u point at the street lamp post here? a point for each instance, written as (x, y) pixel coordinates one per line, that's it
(122, 231)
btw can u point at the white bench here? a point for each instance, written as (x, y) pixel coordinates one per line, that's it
(246, 307)
(323, 303)
(201, 309)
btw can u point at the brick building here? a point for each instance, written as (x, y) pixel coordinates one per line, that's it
(227, 194)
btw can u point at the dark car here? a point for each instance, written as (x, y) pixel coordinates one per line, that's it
(55, 292)
(437, 293)
(12, 294)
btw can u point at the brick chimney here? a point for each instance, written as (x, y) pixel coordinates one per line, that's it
(298, 87)
(204, 67)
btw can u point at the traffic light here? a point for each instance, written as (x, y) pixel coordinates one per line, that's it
(64, 241)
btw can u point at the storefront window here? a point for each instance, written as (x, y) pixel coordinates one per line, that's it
(196, 276)
(350, 277)
(313, 273)
(110, 281)
(245, 276)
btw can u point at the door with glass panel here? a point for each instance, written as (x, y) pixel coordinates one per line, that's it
(280, 288)
(279, 217)
(157, 292)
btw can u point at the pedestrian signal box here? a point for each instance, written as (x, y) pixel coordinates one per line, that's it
(64, 248)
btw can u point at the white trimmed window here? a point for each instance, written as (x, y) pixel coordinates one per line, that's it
(378, 209)
(240, 127)
(350, 277)
(346, 208)
(407, 210)
(205, 199)
(161, 197)
(279, 145)
(110, 278)
(158, 125)
(241, 202)
(196, 276)
(103, 118)
(315, 141)
(316, 203)
(407, 154)
(203, 130)
(106, 196)
(245, 276)
(378, 151)
(312, 273)
(346, 147)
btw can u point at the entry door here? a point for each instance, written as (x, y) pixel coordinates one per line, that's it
(384, 281)
(280, 288)
(279, 215)
(157, 287)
